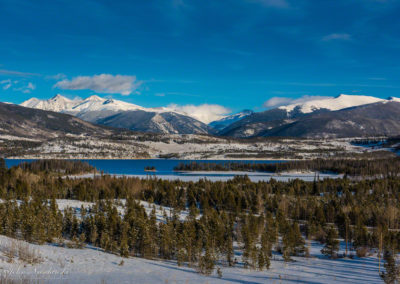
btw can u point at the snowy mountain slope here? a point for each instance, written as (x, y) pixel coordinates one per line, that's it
(340, 102)
(20, 121)
(57, 103)
(394, 99)
(95, 103)
(378, 119)
(163, 122)
(258, 124)
(121, 114)
(80, 107)
(228, 120)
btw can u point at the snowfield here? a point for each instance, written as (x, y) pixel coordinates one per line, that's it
(340, 102)
(92, 265)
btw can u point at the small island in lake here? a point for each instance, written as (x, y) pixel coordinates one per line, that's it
(150, 169)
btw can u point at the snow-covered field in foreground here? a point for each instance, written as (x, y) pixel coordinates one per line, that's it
(90, 265)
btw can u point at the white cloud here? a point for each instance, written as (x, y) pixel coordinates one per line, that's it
(7, 84)
(337, 36)
(17, 73)
(205, 113)
(57, 77)
(160, 95)
(283, 101)
(31, 86)
(103, 83)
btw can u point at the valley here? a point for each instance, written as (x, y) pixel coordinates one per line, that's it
(142, 146)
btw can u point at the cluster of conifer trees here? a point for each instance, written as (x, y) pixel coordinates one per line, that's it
(60, 166)
(351, 167)
(259, 217)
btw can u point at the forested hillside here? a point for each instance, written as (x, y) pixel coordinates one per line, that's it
(262, 218)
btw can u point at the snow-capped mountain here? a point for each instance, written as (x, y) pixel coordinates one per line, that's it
(121, 114)
(340, 102)
(57, 103)
(228, 120)
(115, 113)
(270, 121)
(393, 99)
(376, 119)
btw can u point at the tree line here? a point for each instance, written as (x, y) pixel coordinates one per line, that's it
(350, 167)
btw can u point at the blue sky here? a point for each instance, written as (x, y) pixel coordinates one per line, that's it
(233, 53)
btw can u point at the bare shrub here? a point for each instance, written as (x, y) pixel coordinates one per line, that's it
(362, 251)
(12, 249)
(9, 250)
(28, 254)
(61, 262)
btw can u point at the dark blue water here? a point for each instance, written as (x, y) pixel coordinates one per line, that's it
(136, 167)
(165, 170)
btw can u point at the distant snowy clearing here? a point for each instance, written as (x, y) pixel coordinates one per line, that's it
(227, 175)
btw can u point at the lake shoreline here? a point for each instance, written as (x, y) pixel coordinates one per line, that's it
(162, 159)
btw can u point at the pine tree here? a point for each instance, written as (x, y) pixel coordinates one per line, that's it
(123, 247)
(206, 263)
(293, 242)
(263, 260)
(392, 273)
(331, 247)
(93, 234)
(298, 241)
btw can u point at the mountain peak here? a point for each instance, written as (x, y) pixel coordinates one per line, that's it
(59, 97)
(94, 98)
(31, 100)
(342, 96)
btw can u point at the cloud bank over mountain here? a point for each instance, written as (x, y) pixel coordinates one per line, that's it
(205, 112)
(103, 83)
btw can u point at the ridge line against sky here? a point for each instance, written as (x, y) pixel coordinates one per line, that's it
(237, 54)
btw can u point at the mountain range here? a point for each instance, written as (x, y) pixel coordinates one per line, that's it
(115, 113)
(270, 121)
(342, 116)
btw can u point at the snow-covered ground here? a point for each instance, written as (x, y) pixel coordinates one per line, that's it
(91, 265)
(226, 175)
(160, 211)
(189, 147)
